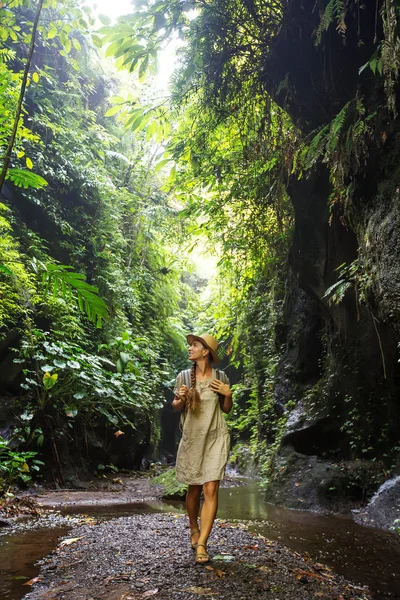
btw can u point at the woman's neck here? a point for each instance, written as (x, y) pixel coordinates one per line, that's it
(203, 368)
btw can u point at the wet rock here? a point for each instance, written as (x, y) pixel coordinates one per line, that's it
(310, 483)
(5, 523)
(384, 508)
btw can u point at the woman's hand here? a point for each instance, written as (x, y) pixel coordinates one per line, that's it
(220, 388)
(223, 388)
(180, 399)
(182, 392)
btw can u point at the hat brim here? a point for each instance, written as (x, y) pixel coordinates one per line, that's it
(190, 339)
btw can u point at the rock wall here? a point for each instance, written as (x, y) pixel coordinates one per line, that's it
(340, 362)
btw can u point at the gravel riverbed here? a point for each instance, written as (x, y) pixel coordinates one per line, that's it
(149, 556)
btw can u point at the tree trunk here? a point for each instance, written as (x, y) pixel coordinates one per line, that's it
(11, 142)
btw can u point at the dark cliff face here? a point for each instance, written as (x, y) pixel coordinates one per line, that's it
(340, 362)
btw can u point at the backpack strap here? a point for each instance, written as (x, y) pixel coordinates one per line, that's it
(185, 375)
(220, 396)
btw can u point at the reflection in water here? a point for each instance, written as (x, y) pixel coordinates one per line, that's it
(18, 554)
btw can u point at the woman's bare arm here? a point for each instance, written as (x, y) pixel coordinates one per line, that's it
(180, 399)
(227, 403)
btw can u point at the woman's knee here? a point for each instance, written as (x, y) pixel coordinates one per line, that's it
(210, 489)
(194, 491)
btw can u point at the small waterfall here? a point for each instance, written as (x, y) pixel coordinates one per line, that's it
(388, 485)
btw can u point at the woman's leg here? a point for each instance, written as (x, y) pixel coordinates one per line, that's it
(192, 507)
(208, 513)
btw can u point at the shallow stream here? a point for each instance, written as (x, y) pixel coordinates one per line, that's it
(361, 554)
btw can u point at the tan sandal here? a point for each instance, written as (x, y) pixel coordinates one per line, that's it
(192, 533)
(202, 557)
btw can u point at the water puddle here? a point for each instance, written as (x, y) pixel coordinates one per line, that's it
(363, 555)
(18, 554)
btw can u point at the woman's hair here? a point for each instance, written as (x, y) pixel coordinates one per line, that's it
(193, 396)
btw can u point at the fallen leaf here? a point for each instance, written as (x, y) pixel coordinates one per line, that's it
(305, 574)
(69, 541)
(117, 480)
(226, 557)
(298, 484)
(251, 547)
(123, 576)
(201, 591)
(150, 593)
(209, 567)
(264, 569)
(321, 567)
(118, 433)
(32, 581)
(220, 573)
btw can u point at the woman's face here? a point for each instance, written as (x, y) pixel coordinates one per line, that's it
(197, 351)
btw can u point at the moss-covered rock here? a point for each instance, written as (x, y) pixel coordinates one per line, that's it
(310, 483)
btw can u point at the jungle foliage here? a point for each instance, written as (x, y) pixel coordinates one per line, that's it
(108, 190)
(234, 152)
(92, 309)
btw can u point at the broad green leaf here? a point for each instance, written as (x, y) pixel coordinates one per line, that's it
(104, 19)
(73, 364)
(49, 381)
(113, 111)
(97, 41)
(6, 270)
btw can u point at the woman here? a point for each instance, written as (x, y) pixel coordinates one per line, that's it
(203, 393)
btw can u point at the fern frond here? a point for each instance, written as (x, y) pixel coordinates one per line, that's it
(336, 127)
(7, 54)
(118, 156)
(24, 178)
(66, 283)
(335, 12)
(316, 147)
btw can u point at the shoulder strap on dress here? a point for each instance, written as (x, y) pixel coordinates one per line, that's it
(185, 381)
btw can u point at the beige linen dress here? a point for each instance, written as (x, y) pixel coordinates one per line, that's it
(204, 448)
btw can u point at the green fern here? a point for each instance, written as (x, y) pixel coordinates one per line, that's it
(316, 148)
(26, 179)
(68, 284)
(6, 54)
(336, 127)
(335, 12)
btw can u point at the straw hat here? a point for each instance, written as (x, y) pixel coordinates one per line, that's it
(208, 341)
